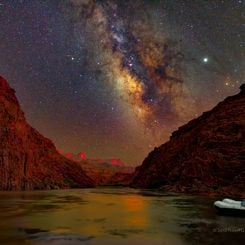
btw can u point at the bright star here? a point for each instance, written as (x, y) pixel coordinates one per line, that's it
(205, 59)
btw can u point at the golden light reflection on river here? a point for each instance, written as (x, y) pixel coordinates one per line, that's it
(105, 216)
(94, 215)
(135, 208)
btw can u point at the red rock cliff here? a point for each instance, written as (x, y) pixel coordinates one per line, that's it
(27, 159)
(207, 155)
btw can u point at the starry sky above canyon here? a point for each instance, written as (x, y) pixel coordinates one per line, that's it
(115, 78)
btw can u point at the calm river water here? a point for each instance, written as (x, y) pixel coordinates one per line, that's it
(108, 216)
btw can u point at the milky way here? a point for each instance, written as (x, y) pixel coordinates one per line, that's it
(115, 78)
(146, 69)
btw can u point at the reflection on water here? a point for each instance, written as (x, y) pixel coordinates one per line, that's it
(134, 207)
(113, 216)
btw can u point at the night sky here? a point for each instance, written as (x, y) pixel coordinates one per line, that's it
(115, 78)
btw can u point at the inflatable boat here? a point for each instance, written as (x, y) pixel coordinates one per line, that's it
(230, 207)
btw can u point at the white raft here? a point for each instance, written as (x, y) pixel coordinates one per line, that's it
(230, 207)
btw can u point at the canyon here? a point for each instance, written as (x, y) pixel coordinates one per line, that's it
(205, 156)
(28, 160)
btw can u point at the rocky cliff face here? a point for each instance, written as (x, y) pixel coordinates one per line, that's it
(106, 173)
(207, 155)
(120, 179)
(110, 171)
(27, 159)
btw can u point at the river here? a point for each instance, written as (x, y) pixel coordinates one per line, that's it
(108, 216)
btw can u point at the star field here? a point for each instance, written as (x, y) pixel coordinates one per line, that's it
(115, 78)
